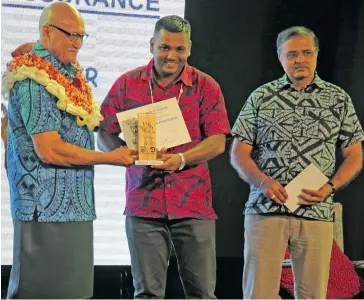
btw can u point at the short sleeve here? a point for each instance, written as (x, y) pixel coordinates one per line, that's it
(245, 126)
(38, 108)
(213, 115)
(351, 131)
(113, 104)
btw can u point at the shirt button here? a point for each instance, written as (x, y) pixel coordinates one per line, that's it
(168, 185)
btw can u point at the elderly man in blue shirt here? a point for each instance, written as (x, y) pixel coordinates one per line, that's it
(50, 158)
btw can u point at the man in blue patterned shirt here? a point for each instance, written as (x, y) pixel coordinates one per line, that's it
(50, 159)
(284, 126)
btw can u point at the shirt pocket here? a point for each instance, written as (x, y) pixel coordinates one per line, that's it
(315, 122)
(274, 125)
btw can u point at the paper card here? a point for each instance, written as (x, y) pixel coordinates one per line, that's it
(310, 178)
(171, 127)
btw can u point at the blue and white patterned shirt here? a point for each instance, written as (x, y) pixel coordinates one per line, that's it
(39, 191)
(290, 129)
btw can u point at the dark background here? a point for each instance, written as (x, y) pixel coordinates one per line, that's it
(234, 41)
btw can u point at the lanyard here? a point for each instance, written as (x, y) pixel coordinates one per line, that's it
(151, 92)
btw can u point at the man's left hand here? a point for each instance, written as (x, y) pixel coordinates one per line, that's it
(309, 197)
(171, 162)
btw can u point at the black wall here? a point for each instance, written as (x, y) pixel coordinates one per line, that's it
(234, 41)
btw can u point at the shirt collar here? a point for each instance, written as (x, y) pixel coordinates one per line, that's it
(284, 82)
(185, 77)
(66, 69)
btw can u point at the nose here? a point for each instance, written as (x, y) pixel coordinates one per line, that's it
(78, 43)
(300, 57)
(171, 55)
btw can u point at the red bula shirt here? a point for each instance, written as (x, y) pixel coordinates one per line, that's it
(155, 193)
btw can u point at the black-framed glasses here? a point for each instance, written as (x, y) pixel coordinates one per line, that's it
(74, 36)
(294, 54)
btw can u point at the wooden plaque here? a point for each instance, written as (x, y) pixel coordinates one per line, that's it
(147, 139)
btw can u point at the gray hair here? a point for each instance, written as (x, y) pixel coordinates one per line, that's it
(173, 24)
(288, 33)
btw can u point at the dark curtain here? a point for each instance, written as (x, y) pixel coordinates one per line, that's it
(234, 41)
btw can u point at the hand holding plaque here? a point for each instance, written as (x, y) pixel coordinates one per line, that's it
(171, 127)
(147, 140)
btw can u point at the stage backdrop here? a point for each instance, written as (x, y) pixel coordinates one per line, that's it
(234, 41)
(119, 31)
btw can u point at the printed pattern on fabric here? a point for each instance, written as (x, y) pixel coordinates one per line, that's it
(181, 194)
(290, 129)
(40, 191)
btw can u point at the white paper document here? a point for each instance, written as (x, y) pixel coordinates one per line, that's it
(310, 178)
(171, 128)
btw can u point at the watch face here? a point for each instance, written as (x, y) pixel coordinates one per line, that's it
(332, 187)
(183, 162)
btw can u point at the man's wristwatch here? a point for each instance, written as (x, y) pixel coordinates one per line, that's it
(332, 187)
(183, 162)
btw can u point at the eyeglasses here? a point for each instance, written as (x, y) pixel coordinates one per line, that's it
(294, 54)
(72, 36)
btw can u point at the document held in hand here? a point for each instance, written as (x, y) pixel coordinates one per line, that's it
(171, 128)
(310, 178)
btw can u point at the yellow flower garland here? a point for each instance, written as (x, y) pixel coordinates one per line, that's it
(74, 97)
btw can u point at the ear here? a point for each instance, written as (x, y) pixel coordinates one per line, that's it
(45, 32)
(189, 48)
(151, 45)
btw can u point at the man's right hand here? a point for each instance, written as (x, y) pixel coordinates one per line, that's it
(24, 48)
(274, 190)
(4, 131)
(123, 156)
(4, 123)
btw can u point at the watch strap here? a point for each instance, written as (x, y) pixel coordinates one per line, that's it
(183, 161)
(332, 187)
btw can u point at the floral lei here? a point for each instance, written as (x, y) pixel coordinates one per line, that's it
(74, 96)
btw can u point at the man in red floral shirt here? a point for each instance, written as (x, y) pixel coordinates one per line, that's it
(171, 203)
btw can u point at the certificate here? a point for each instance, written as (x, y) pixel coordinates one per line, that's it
(171, 128)
(310, 178)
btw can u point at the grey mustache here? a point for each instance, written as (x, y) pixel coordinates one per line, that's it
(300, 66)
